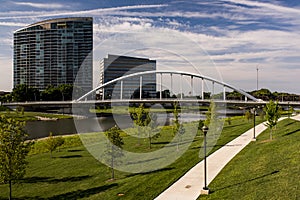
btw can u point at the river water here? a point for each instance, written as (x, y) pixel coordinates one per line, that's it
(40, 129)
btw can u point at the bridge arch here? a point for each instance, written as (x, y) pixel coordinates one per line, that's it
(171, 72)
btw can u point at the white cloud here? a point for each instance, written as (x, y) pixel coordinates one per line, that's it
(12, 24)
(269, 6)
(92, 12)
(42, 5)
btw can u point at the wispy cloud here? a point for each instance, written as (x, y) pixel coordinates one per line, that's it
(41, 5)
(16, 24)
(278, 8)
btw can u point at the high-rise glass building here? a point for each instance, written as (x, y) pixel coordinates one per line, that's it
(51, 52)
(115, 66)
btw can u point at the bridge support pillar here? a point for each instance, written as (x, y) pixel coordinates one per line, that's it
(212, 89)
(181, 95)
(224, 93)
(102, 94)
(141, 86)
(121, 90)
(171, 83)
(192, 86)
(160, 88)
(202, 91)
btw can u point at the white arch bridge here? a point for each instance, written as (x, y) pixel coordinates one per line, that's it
(140, 75)
(68, 106)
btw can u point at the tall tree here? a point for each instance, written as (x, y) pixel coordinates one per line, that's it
(273, 113)
(13, 151)
(211, 114)
(52, 93)
(66, 91)
(114, 147)
(151, 128)
(140, 120)
(178, 129)
(248, 115)
(52, 143)
(22, 93)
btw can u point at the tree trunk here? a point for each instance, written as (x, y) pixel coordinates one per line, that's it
(270, 133)
(149, 141)
(112, 164)
(10, 192)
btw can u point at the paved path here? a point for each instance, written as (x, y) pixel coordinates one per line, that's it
(189, 186)
(296, 117)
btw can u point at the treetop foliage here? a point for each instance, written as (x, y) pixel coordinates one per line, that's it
(13, 149)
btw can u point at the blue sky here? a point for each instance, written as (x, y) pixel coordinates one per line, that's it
(225, 39)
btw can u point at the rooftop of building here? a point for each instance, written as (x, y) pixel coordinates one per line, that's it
(114, 57)
(56, 20)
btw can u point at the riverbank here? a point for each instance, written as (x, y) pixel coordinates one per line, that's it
(34, 116)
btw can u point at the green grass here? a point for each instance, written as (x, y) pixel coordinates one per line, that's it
(73, 173)
(265, 169)
(32, 116)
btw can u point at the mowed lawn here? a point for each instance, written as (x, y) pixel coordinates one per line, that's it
(265, 169)
(74, 174)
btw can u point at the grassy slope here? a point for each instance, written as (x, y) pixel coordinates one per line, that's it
(74, 173)
(264, 169)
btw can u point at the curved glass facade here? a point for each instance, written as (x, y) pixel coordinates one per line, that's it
(52, 51)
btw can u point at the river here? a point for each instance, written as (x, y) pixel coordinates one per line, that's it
(40, 129)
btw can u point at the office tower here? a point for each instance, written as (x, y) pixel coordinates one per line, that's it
(115, 66)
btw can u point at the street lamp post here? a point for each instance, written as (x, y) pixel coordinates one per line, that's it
(205, 189)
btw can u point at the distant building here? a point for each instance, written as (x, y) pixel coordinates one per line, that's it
(115, 66)
(51, 52)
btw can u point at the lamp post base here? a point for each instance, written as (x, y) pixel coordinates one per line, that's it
(205, 191)
(253, 139)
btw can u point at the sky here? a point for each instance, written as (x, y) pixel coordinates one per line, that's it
(224, 39)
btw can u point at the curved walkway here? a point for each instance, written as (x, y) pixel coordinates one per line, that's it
(189, 186)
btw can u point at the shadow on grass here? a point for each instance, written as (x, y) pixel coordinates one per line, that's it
(53, 180)
(71, 156)
(144, 161)
(290, 133)
(24, 198)
(71, 195)
(82, 193)
(155, 171)
(243, 182)
(156, 143)
(74, 150)
(290, 123)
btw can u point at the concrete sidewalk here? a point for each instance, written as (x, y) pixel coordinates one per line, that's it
(189, 186)
(296, 117)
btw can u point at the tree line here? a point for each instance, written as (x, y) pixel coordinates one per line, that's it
(23, 93)
(265, 95)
